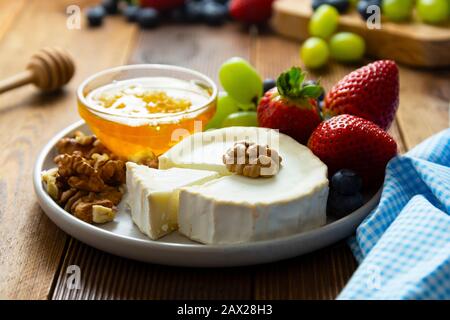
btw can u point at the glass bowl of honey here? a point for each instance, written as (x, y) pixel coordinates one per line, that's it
(139, 111)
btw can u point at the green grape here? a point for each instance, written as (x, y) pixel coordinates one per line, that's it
(433, 11)
(225, 106)
(314, 53)
(397, 10)
(241, 119)
(347, 47)
(324, 21)
(240, 80)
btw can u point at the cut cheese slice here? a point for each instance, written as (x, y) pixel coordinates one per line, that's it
(236, 209)
(153, 196)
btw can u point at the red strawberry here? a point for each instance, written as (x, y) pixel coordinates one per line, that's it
(161, 4)
(291, 107)
(351, 142)
(370, 92)
(251, 11)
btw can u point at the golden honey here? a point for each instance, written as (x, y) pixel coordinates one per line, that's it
(142, 116)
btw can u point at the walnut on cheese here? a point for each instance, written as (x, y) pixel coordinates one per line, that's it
(252, 160)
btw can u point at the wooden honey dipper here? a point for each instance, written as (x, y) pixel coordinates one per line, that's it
(49, 69)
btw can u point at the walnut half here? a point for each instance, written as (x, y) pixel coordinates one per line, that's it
(90, 206)
(252, 160)
(95, 210)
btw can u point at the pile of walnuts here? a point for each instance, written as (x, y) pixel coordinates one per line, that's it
(88, 179)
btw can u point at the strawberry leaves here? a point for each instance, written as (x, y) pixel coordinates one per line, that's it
(290, 85)
(311, 91)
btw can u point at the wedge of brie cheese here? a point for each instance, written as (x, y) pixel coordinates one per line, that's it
(153, 196)
(234, 209)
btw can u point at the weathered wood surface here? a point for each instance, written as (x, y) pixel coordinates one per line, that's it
(35, 254)
(31, 246)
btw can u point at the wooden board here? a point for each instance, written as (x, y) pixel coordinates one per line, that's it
(412, 43)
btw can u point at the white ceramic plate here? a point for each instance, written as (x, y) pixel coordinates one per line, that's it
(123, 238)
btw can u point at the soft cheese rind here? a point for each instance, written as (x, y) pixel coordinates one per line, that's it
(213, 221)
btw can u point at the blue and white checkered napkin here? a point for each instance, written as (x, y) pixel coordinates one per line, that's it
(404, 244)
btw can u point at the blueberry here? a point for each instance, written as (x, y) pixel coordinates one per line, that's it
(363, 5)
(214, 14)
(317, 3)
(346, 182)
(321, 97)
(130, 13)
(269, 84)
(147, 18)
(110, 6)
(221, 1)
(341, 5)
(340, 205)
(373, 2)
(194, 11)
(321, 104)
(178, 14)
(95, 16)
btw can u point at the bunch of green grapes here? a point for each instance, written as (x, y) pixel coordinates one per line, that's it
(429, 11)
(324, 42)
(349, 47)
(243, 89)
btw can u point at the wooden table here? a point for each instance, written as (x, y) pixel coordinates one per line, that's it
(35, 254)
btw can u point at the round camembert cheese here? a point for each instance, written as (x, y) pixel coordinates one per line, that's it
(235, 209)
